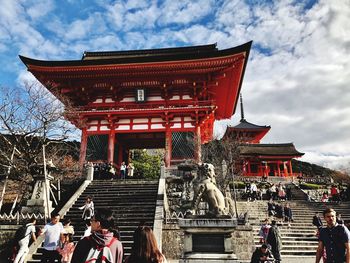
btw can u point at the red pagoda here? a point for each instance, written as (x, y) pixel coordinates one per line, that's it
(261, 159)
(145, 99)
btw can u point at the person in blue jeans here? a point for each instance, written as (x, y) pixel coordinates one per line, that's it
(122, 170)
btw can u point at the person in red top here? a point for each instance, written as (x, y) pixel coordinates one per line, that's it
(335, 193)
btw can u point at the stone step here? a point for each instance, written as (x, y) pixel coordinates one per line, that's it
(299, 240)
(130, 202)
(301, 252)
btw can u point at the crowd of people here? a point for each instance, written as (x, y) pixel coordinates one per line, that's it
(101, 241)
(107, 170)
(280, 192)
(280, 212)
(333, 245)
(335, 195)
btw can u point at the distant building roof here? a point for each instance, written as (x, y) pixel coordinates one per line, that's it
(281, 149)
(243, 124)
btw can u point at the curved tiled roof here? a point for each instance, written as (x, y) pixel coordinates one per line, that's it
(270, 149)
(143, 56)
(243, 124)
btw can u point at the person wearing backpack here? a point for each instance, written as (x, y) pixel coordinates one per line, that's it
(101, 246)
(23, 236)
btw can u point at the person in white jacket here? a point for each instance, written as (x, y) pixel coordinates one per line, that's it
(88, 209)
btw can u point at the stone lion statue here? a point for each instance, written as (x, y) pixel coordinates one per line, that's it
(205, 189)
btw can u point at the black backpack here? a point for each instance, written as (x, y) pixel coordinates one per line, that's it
(20, 233)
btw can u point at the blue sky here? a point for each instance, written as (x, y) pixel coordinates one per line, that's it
(297, 79)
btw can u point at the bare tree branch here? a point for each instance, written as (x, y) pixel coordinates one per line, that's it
(30, 118)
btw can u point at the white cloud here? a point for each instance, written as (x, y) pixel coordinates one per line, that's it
(341, 162)
(79, 29)
(184, 12)
(9, 11)
(38, 8)
(296, 80)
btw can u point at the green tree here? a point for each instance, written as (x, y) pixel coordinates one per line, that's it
(147, 164)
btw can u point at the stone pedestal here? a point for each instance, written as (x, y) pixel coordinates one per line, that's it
(37, 202)
(208, 240)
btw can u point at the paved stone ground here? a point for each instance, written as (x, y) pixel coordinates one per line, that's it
(284, 260)
(299, 260)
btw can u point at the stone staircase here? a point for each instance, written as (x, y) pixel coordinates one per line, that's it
(299, 240)
(132, 201)
(297, 194)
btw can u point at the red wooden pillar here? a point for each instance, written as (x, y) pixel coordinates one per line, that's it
(83, 147)
(266, 170)
(278, 168)
(168, 146)
(285, 169)
(197, 145)
(111, 143)
(290, 168)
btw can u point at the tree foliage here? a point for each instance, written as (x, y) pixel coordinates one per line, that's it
(147, 165)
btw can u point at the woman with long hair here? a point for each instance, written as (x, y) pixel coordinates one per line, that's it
(145, 248)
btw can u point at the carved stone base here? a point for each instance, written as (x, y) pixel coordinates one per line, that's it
(208, 240)
(196, 257)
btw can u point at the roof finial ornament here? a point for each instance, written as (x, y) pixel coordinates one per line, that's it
(242, 111)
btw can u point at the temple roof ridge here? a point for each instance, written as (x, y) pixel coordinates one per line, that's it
(244, 124)
(135, 57)
(145, 52)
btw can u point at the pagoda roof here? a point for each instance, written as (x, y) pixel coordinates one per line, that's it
(245, 125)
(104, 74)
(150, 52)
(142, 56)
(281, 149)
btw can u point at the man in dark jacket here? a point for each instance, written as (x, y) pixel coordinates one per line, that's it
(274, 240)
(101, 236)
(261, 255)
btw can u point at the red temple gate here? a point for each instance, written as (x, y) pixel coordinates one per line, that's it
(157, 98)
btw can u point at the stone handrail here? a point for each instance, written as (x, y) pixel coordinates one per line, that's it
(159, 212)
(33, 248)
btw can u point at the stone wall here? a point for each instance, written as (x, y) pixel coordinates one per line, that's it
(173, 242)
(243, 242)
(7, 232)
